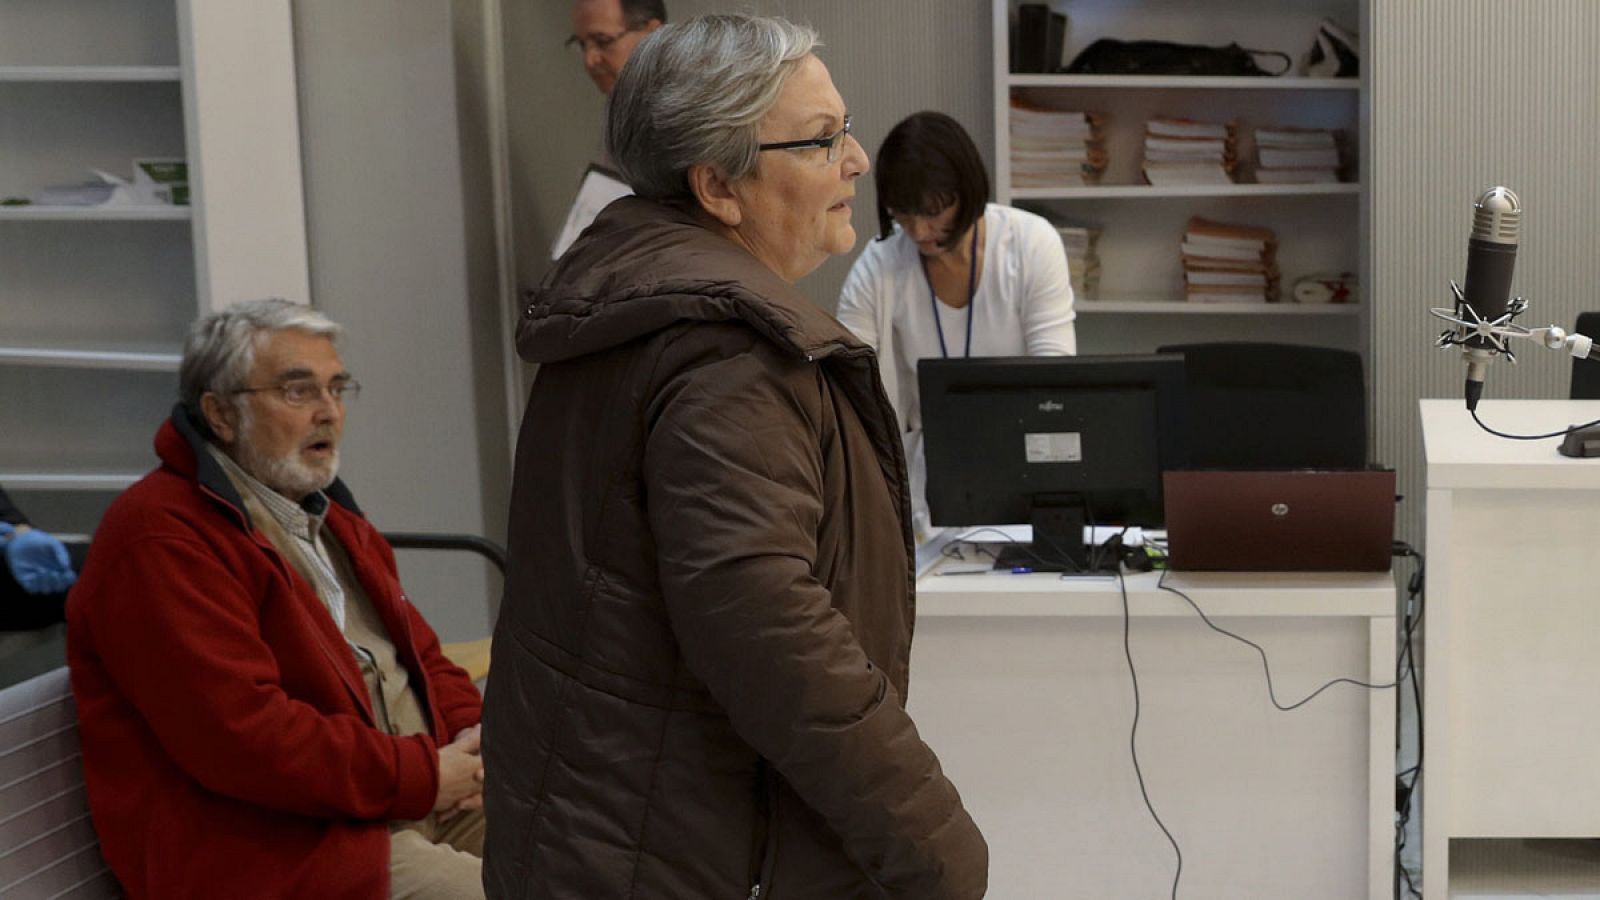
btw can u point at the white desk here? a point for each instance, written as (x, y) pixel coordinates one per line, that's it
(1020, 685)
(1512, 722)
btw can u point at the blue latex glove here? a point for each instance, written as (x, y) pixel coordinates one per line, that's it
(38, 560)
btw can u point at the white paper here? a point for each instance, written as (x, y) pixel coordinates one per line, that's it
(596, 192)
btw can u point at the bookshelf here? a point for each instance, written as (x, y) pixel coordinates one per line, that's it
(97, 300)
(1139, 304)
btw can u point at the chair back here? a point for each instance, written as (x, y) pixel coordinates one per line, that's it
(1586, 372)
(48, 847)
(1274, 406)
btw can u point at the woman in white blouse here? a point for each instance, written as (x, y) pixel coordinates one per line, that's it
(950, 274)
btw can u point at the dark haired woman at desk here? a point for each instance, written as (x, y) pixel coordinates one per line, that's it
(950, 274)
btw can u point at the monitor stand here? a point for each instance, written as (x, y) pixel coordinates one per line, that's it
(1058, 521)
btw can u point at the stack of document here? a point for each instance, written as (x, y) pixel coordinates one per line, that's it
(1055, 148)
(1297, 156)
(1227, 263)
(1083, 263)
(1183, 151)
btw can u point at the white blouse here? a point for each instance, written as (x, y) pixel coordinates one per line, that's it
(1022, 306)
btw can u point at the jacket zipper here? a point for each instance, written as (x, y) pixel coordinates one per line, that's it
(766, 844)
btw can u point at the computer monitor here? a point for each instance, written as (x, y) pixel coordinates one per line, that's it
(1274, 406)
(1058, 442)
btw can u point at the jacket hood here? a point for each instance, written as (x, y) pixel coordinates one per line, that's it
(642, 267)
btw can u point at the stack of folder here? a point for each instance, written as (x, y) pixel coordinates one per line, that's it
(1083, 263)
(1226, 263)
(1055, 148)
(1297, 156)
(1183, 151)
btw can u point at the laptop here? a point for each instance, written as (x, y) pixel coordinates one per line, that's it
(1305, 520)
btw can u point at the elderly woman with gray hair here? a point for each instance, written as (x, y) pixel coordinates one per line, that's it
(700, 666)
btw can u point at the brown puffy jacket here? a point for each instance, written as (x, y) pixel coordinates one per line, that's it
(700, 665)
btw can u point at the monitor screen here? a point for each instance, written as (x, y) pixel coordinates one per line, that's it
(1274, 406)
(1020, 439)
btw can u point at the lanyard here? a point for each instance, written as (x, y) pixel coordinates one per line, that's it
(972, 296)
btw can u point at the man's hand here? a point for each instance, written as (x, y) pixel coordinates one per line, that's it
(37, 559)
(460, 774)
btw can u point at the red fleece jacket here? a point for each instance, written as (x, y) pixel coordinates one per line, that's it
(229, 746)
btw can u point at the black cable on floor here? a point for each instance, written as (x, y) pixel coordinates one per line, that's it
(1133, 736)
(1416, 607)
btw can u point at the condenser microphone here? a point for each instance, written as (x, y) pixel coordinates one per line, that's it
(1485, 294)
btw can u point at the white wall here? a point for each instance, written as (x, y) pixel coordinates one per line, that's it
(1467, 94)
(395, 200)
(1464, 95)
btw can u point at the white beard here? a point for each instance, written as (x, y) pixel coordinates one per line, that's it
(288, 475)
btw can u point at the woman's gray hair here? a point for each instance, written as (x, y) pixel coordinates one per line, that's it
(695, 93)
(221, 348)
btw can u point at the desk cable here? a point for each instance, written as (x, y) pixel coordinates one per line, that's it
(1405, 662)
(1405, 791)
(1531, 437)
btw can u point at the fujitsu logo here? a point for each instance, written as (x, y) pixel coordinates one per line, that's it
(1051, 406)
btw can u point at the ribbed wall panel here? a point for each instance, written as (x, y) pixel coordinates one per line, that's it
(1464, 95)
(48, 846)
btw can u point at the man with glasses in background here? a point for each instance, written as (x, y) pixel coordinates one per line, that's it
(263, 713)
(604, 33)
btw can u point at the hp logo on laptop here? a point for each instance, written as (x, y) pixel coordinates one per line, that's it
(1280, 509)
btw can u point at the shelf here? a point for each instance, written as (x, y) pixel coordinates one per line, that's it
(1180, 307)
(89, 73)
(82, 481)
(1154, 192)
(95, 213)
(65, 358)
(1192, 82)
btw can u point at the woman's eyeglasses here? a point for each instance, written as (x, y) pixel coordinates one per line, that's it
(832, 142)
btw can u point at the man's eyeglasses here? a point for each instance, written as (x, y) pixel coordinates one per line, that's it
(305, 391)
(597, 41)
(832, 142)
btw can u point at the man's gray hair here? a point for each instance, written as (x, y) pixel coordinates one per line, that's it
(221, 348)
(695, 93)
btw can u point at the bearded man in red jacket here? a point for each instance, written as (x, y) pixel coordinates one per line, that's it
(263, 712)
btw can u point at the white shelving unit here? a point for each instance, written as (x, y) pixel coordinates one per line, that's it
(1185, 82)
(94, 301)
(1139, 305)
(1174, 192)
(95, 214)
(1165, 307)
(91, 73)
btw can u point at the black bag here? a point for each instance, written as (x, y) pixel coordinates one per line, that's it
(1108, 56)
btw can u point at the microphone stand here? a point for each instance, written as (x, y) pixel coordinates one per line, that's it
(1480, 339)
(1494, 335)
